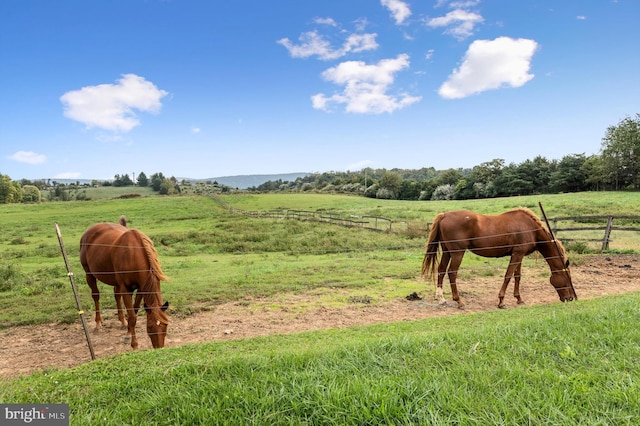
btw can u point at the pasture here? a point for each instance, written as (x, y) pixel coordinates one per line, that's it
(216, 258)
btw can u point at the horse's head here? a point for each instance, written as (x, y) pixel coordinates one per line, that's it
(157, 323)
(561, 281)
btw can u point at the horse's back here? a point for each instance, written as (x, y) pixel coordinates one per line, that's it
(488, 235)
(96, 249)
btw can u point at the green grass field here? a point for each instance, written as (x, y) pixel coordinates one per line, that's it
(557, 364)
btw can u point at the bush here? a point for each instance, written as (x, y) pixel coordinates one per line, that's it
(385, 194)
(444, 192)
(10, 277)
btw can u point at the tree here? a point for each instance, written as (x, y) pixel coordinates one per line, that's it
(391, 181)
(156, 181)
(593, 169)
(449, 177)
(142, 179)
(123, 180)
(444, 192)
(169, 187)
(621, 152)
(31, 194)
(569, 176)
(10, 191)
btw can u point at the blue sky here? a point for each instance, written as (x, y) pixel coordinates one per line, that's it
(200, 88)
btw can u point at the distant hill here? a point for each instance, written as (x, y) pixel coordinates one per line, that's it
(247, 181)
(240, 181)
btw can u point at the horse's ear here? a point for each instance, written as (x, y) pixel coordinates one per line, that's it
(566, 264)
(165, 306)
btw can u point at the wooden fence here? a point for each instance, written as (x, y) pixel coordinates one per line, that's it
(569, 228)
(605, 224)
(376, 223)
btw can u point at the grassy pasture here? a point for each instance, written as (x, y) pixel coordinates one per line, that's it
(557, 364)
(214, 256)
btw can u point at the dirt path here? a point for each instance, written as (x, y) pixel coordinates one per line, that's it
(24, 350)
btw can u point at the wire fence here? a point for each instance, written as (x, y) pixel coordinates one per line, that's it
(569, 227)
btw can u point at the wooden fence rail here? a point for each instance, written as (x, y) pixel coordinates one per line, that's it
(603, 223)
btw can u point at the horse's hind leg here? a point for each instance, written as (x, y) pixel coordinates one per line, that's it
(95, 294)
(442, 271)
(456, 260)
(117, 293)
(131, 317)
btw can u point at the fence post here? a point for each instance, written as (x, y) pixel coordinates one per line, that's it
(75, 293)
(607, 234)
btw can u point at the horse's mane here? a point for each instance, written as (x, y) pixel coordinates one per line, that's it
(156, 272)
(543, 226)
(152, 256)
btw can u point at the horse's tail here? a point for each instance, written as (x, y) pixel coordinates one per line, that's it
(152, 255)
(430, 261)
(123, 221)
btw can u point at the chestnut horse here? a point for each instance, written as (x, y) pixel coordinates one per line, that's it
(127, 260)
(516, 233)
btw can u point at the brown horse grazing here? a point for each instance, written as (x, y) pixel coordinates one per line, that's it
(516, 233)
(127, 260)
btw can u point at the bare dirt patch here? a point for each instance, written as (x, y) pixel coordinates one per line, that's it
(24, 350)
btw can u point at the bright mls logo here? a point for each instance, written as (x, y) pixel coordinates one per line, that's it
(36, 414)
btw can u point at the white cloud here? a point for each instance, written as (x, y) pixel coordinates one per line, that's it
(399, 9)
(463, 4)
(581, 17)
(195, 130)
(365, 86)
(325, 21)
(460, 23)
(491, 64)
(111, 106)
(68, 175)
(28, 157)
(312, 43)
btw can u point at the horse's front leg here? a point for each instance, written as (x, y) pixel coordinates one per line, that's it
(131, 318)
(456, 260)
(442, 271)
(95, 294)
(514, 262)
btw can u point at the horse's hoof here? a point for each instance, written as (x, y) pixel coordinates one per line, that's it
(522, 302)
(502, 306)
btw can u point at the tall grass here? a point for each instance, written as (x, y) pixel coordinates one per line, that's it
(555, 364)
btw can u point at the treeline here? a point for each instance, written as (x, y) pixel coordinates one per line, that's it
(27, 191)
(487, 180)
(617, 167)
